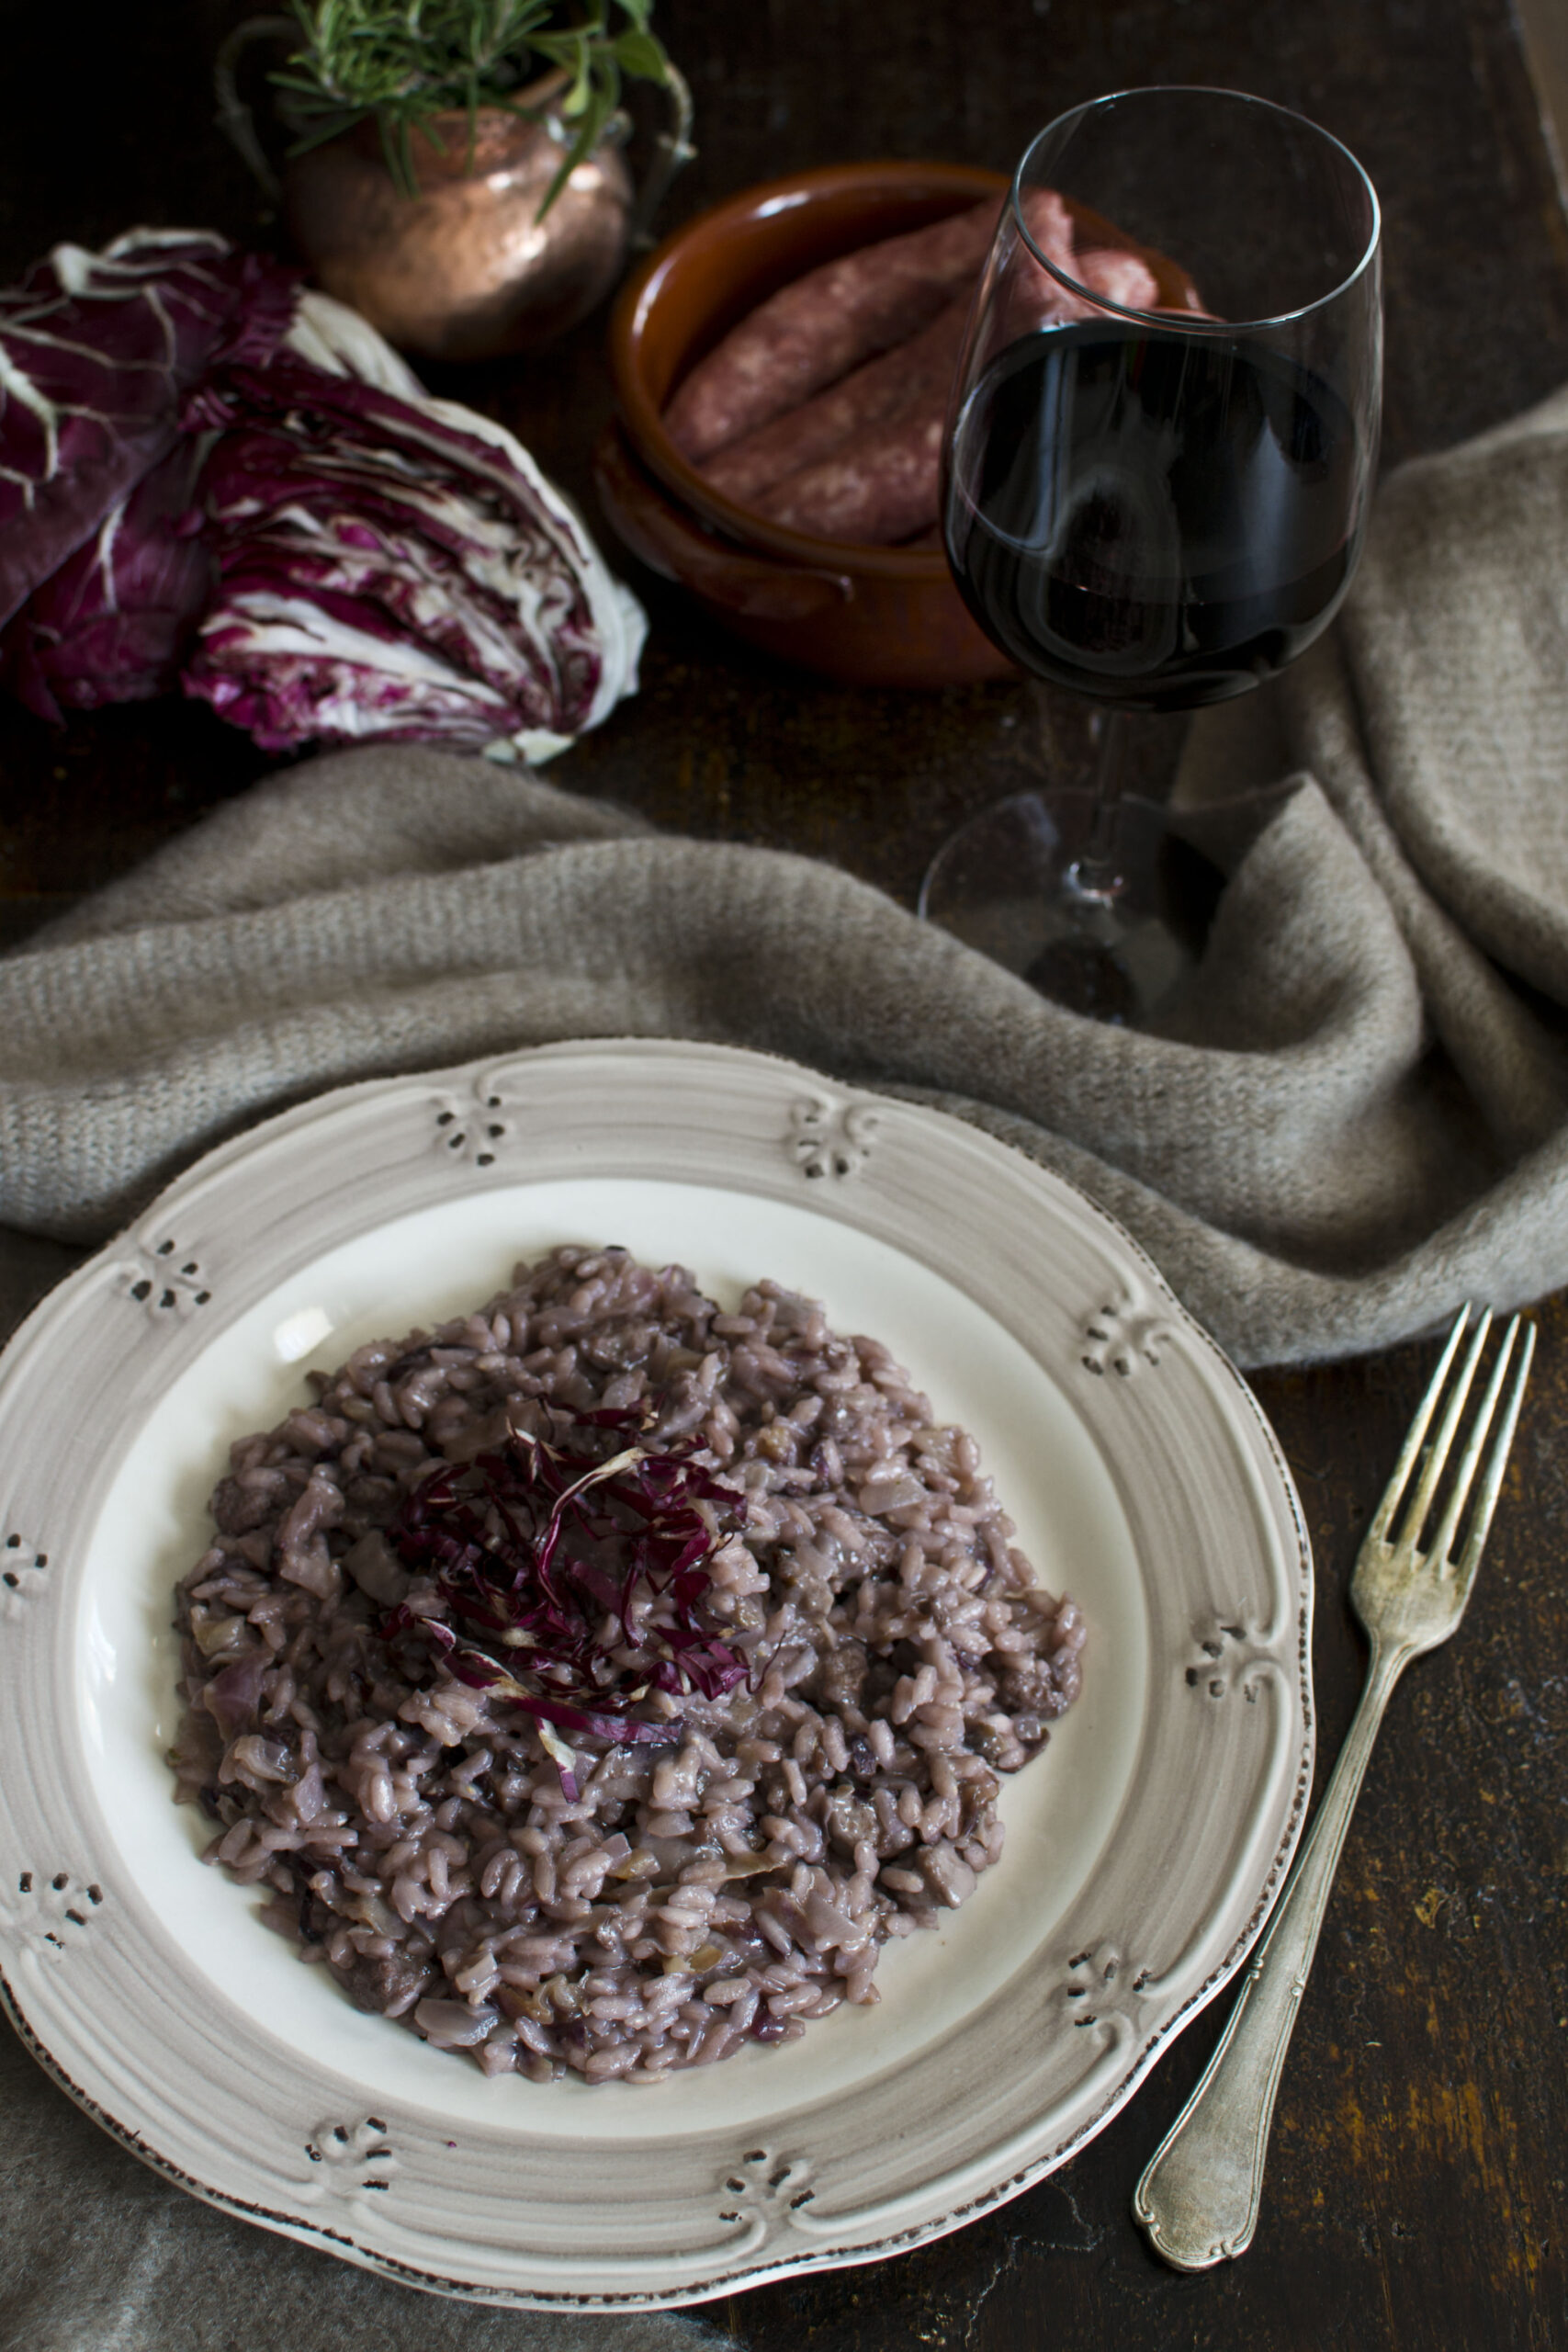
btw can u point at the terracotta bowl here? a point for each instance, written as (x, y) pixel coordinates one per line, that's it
(870, 616)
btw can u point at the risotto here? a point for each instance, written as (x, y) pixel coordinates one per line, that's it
(597, 1681)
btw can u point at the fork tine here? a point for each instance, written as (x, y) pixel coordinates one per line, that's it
(1384, 1517)
(1443, 1444)
(1442, 1542)
(1497, 1460)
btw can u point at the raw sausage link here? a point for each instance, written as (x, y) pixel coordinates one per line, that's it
(816, 328)
(880, 481)
(861, 461)
(1118, 278)
(912, 375)
(1033, 298)
(882, 485)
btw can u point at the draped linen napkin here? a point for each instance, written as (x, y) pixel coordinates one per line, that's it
(1358, 1117)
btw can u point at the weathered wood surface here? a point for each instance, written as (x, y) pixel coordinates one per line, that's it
(1419, 2173)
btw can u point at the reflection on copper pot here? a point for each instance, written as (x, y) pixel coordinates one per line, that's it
(466, 269)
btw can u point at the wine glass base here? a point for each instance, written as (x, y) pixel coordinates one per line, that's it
(1009, 884)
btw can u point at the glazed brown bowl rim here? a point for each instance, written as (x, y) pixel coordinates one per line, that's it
(642, 421)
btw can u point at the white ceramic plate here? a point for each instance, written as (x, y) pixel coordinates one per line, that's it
(1144, 1845)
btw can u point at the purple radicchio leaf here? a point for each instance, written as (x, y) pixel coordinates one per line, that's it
(365, 562)
(98, 354)
(117, 619)
(397, 569)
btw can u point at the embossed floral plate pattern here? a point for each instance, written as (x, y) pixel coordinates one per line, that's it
(1143, 1845)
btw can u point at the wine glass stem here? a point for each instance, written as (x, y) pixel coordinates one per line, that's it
(1092, 877)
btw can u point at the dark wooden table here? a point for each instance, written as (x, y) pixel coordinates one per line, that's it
(1419, 2183)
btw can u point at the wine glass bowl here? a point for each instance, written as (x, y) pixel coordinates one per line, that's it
(1161, 445)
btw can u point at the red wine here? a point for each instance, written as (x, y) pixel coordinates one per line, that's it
(1152, 518)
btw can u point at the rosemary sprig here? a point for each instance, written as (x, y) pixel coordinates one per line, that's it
(403, 61)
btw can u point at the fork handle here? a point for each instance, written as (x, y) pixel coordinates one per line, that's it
(1199, 2199)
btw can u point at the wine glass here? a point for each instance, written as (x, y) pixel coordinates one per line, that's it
(1158, 461)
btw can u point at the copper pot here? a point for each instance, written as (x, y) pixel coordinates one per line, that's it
(466, 269)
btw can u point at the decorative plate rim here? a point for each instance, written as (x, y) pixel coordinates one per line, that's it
(873, 1163)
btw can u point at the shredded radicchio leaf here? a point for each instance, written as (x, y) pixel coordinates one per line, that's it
(570, 1578)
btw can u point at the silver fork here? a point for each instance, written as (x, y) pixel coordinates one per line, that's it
(1200, 2196)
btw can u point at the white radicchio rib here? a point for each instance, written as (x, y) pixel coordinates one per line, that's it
(395, 567)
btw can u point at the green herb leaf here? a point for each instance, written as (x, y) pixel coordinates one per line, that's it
(402, 61)
(640, 54)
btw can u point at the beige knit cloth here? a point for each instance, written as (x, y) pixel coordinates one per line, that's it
(1358, 1120)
